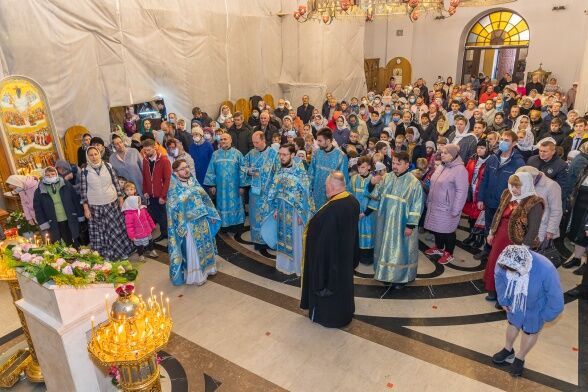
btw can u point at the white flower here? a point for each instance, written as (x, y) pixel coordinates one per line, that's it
(81, 265)
(85, 251)
(26, 247)
(73, 251)
(106, 267)
(60, 261)
(46, 253)
(95, 253)
(120, 269)
(92, 277)
(17, 249)
(27, 257)
(17, 255)
(67, 270)
(37, 260)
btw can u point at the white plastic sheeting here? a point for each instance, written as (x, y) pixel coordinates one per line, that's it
(92, 55)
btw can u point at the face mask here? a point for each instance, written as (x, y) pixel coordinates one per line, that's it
(499, 107)
(50, 180)
(388, 111)
(395, 120)
(171, 121)
(217, 138)
(412, 100)
(280, 106)
(255, 114)
(174, 152)
(503, 146)
(362, 111)
(197, 139)
(17, 190)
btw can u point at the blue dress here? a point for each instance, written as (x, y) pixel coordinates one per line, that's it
(359, 189)
(225, 172)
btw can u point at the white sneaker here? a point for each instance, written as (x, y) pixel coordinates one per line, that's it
(153, 253)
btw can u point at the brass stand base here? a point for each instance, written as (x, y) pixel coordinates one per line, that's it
(13, 367)
(33, 372)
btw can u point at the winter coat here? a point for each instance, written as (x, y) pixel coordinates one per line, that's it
(138, 222)
(241, 138)
(550, 192)
(556, 169)
(496, 178)
(447, 196)
(471, 206)
(130, 167)
(375, 129)
(544, 300)
(201, 154)
(45, 209)
(29, 185)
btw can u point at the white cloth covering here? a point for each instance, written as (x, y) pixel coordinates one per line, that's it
(194, 275)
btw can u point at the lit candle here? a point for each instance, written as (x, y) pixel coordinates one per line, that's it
(47, 239)
(106, 305)
(168, 312)
(161, 298)
(92, 320)
(152, 292)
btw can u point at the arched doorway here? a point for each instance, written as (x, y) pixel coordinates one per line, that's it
(496, 44)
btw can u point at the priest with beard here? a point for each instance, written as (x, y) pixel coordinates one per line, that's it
(327, 282)
(398, 203)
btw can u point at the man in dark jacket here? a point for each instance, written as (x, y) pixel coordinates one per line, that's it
(550, 164)
(576, 139)
(241, 134)
(304, 111)
(375, 125)
(535, 85)
(170, 132)
(499, 168)
(555, 112)
(156, 177)
(265, 126)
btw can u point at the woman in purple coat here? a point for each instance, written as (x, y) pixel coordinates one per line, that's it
(528, 288)
(447, 196)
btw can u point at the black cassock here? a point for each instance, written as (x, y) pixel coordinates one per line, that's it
(330, 257)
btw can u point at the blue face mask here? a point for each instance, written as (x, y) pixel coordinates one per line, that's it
(503, 145)
(395, 119)
(217, 138)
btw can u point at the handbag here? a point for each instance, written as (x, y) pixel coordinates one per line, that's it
(547, 249)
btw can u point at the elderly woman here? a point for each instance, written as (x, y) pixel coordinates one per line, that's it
(201, 152)
(530, 292)
(341, 133)
(175, 151)
(58, 209)
(447, 195)
(225, 113)
(102, 199)
(24, 187)
(517, 221)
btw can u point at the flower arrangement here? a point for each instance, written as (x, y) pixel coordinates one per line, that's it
(67, 266)
(17, 220)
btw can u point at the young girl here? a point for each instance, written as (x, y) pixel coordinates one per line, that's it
(138, 222)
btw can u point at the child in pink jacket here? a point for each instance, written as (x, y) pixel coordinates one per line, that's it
(138, 222)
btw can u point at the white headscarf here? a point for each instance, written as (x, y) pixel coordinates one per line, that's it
(132, 203)
(526, 143)
(520, 259)
(17, 180)
(527, 187)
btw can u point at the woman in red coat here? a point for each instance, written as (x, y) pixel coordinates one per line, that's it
(476, 166)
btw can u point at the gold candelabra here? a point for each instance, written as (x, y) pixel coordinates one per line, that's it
(130, 338)
(22, 360)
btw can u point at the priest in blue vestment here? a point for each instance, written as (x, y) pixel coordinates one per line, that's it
(261, 164)
(192, 224)
(291, 205)
(226, 178)
(398, 204)
(324, 161)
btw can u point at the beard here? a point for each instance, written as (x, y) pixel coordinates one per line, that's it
(286, 164)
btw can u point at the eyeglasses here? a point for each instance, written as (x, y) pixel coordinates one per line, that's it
(181, 168)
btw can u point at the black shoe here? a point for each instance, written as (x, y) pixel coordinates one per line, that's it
(160, 238)
(481, 255)
(499, 307)
(398, 286)
(580, 271)
(468, 241)
(504, 356)
(491, 297)
(577, 293)
(574, 262)
(479, 241)
(517, 367)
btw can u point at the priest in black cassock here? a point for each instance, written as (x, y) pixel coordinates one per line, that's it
(331, 254)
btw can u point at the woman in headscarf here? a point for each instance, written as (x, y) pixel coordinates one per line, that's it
(434, 113)
(447, 195)
(341, 133)
(318, 123)
(356, 124)
(82, 149)
(58, 209)
(24, 187)
(525, 145)
(476, 166)
(225, 112)
(69, 172)
(414, 144)
(102, 198)
(530, 292)
(517, 221)
(489, 112)
(442, 125)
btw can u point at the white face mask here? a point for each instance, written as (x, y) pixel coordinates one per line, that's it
(175, 152)
(51, 180)
(280, 106)
(197, 139)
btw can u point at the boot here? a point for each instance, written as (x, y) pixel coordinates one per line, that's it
(479, 241)
(573, 262)
(468, 241)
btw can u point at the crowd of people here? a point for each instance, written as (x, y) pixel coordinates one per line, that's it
(510, 158)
